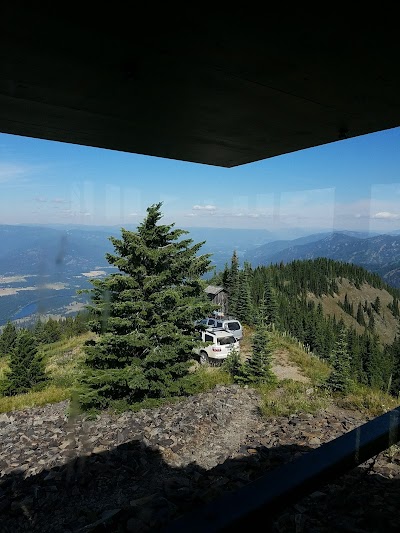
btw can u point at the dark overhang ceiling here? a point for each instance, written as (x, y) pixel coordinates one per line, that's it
(223, 91)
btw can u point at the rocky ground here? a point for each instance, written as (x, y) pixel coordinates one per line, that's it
(139, 471)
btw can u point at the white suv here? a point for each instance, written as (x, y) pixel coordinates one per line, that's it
(221, 344)
(231, 325)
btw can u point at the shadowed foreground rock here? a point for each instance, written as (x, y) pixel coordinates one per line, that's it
(140, 471)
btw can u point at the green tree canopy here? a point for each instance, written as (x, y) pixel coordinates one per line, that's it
(8, 338)
(145, 315)
(340, 378)
(26, 366)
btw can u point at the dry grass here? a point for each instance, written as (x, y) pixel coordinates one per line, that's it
(292, 397)
(369, 401)
(385, 324)
(4, 366)
(63, 361)
(52, 394)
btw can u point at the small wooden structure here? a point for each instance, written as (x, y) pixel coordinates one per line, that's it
(218, 296)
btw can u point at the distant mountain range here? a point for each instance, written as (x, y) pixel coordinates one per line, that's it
(380, 253)
(49, 250)
(42, 267)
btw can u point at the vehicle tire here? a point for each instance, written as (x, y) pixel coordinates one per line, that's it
(204, 360)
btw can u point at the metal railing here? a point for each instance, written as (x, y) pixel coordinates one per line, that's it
(265, 497)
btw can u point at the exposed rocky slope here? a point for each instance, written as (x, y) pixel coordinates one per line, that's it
(139, 471)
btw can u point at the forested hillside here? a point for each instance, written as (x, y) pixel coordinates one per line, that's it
(379, 253)
(317, 300)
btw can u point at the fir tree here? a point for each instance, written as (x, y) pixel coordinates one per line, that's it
(145, 316)
(234, 366)
(244, 307)
(270, 303)
(233, 285)
(371, 323)
(373, 362)
(8, 338)
(360, 315)
(377, 305)
(26, 366)
(340, 380)
(395, 354)
(258, 367)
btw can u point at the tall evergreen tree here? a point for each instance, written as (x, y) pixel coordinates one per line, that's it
(8, 338)
(394, 307)
(360, 315)
(371, 322)
(373, 362)
(145, 315)
(270, 303)
(377, 305)
(340, 380)
(234, 285)
(258, 367)
(244, 306)
(26, 366)
(395, 353)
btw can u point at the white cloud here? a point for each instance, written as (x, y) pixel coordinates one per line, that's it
(207, 207)
(386, 215)
(40, 199)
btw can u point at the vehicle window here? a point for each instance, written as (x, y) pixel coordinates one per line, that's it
(227, 340)
(208, 338)
(219, 324)
(234, 326)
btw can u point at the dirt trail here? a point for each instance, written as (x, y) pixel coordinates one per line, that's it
(283, 368)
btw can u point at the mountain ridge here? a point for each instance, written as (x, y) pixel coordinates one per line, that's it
(379, 254)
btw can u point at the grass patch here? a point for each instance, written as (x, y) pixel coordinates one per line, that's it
(52, 394)
(207, 377)
(64, 364)
(291, 397)
(64, 360)
(366, 400)
(4, 366)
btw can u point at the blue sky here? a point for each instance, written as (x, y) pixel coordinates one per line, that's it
(350, 184)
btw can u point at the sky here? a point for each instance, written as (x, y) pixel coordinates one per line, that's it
(352, 184)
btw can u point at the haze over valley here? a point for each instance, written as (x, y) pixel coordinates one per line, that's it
(43, 267)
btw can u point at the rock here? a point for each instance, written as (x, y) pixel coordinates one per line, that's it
(66, 472)
(135, 525)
